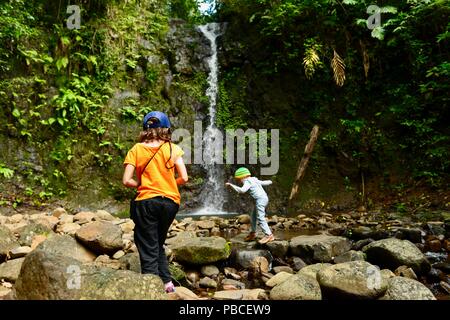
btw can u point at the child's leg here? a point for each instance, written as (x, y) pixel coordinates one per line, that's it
(168, 211)
(261, 216)
(253, 220)
(146, 235)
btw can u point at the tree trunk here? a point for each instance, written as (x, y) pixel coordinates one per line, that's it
(304, 162)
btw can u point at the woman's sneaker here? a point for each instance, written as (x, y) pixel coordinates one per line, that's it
(266, 239)
(250, 237)
(169, 287)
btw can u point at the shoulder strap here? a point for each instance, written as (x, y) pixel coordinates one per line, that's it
(151, 158)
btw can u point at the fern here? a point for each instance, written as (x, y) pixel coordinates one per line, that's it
(338, 66)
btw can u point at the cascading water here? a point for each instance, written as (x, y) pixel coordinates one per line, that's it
(213, 196)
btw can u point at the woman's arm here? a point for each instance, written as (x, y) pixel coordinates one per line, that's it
(181, 170)
(127, 179)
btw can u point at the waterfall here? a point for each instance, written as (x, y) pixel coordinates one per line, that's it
(213, 195)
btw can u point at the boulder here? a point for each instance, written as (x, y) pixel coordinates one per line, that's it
(84, 217)
(131, 261)
(298, 263)
(321, 248)
(392, 253)
(400, 288)
(7, 242)
(104, 215)
(278, 248)
(200, 251)
(354, 279)
(412, 234)
(297, 287)
(313, 269)
(279, 269)
(67, 246)
(243, 219)
(234, 283)
(69, 228)
(58, 212)
(101, 237)
(207, 282)
(244, 258)
(278, 278)
(19, 252)
(185, 294)
(210, 270)
(27, 233)
(9, 270)
(206, 224)
(351, 255)
(73, 281)
(127, 227)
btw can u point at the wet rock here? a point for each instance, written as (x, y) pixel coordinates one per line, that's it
(298, 263)
(406, 272)
(392, 253)
(435, 275)
(435, 227)
(400, 288)
(207, 282)
(210, 271)
(433, 245)
(278, 278)
(414, 235)
(73, 281)
(66, 246)
(358, 245)
(445, 286)
(101, 237)
(297, 287)
(278, 248)
(351, 280)
(434, 257)
(245, 258)
(313, 269)
(199, 251)
(7, 242)
(9, 270)
(351, 255)
(27, 233)
(321, 247)
(444, 266)
(231, 282)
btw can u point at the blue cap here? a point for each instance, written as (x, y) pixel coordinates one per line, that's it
(158, 120)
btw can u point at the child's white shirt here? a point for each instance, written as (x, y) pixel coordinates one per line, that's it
(254, 186)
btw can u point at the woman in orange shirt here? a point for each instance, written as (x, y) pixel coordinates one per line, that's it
(155, 159)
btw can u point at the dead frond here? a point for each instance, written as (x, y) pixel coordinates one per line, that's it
(338, 67)
(310, 62)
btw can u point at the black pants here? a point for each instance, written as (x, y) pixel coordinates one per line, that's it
(152, 218)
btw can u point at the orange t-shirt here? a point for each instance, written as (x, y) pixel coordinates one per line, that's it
(159, 176)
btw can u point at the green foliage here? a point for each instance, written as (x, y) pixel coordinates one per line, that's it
(6, 172)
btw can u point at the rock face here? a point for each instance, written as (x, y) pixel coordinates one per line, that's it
(199, 251)
(72, 281)
(297, 287)
(355, 279)
(101, 237)
(392, 253)
(400, 288)
(10, 270)
(320, 248)
(67, 246)
(7, 242)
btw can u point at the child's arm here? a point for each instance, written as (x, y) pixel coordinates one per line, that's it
(127, 179)
(242, 189)
(181, 170)
(265, 182)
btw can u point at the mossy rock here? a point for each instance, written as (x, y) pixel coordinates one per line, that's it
(200, 251)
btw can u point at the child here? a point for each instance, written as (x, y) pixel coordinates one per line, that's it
(254, 185)
(155, 159)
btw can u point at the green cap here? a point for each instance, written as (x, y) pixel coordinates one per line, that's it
(241, 172)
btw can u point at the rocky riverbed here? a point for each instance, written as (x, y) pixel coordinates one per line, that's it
(354, 255)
